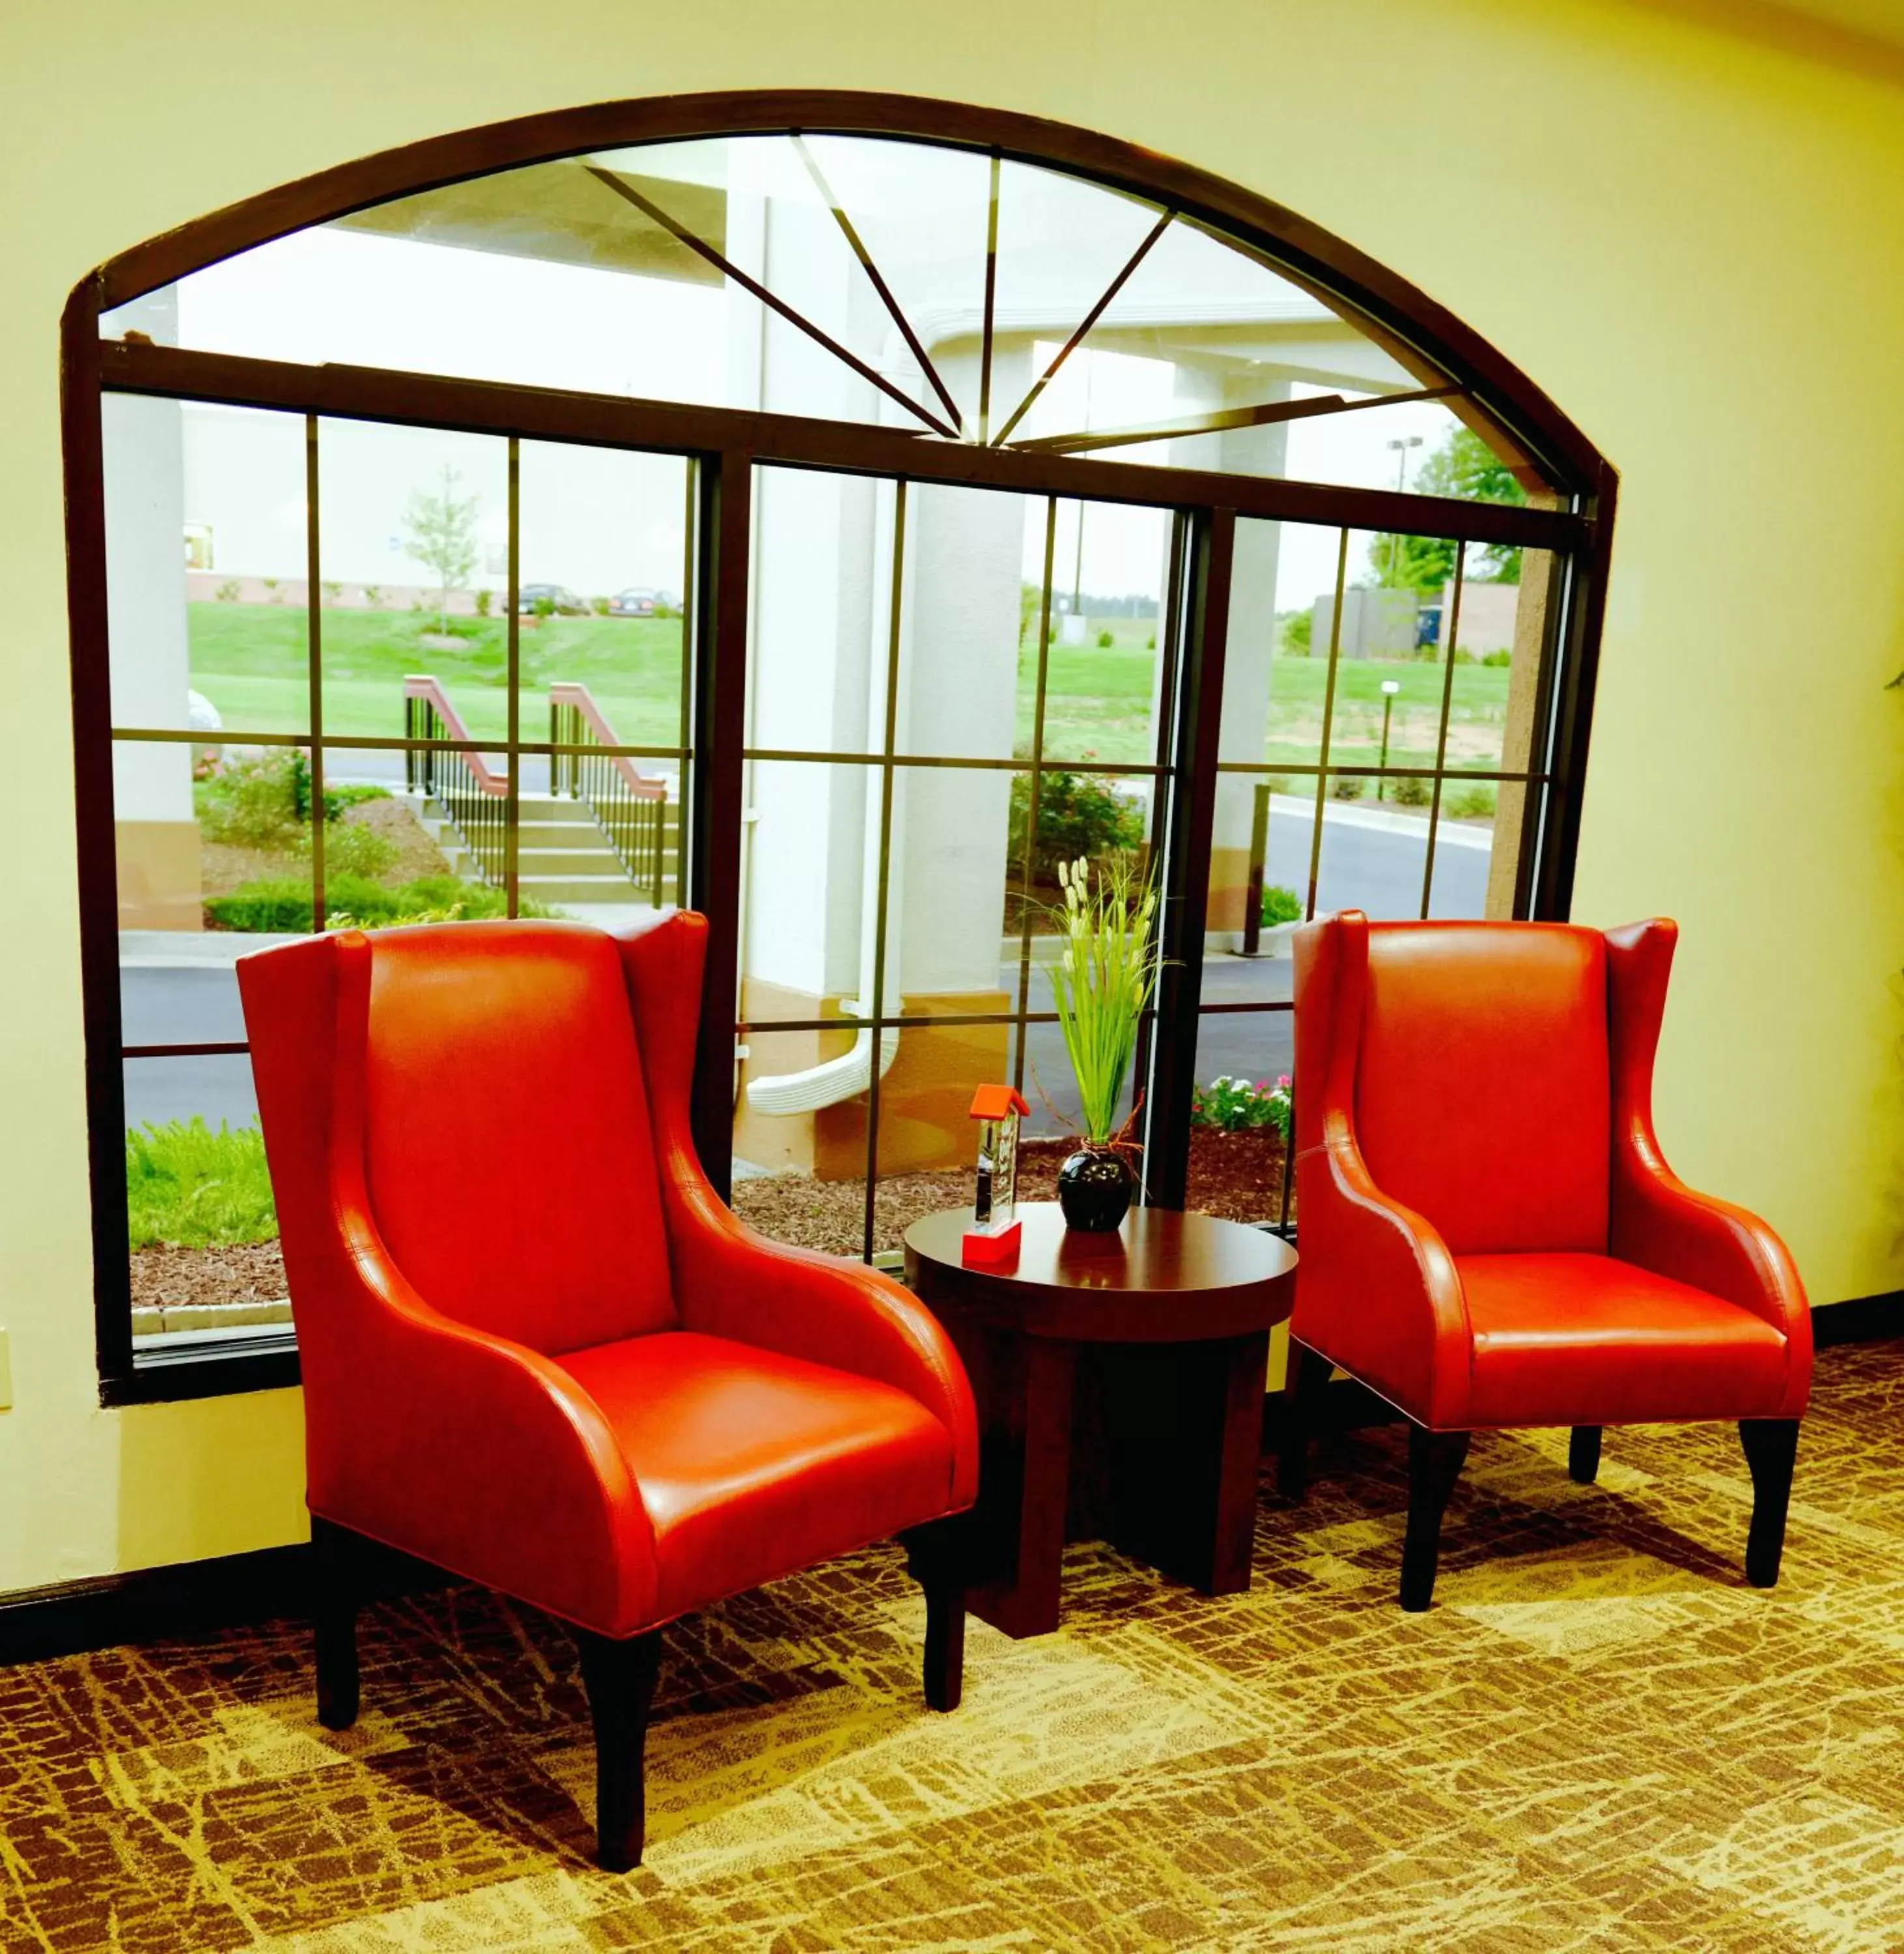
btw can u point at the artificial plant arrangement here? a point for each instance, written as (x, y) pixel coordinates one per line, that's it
(1104, 979)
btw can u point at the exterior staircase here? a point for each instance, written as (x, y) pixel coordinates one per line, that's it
(562, 856)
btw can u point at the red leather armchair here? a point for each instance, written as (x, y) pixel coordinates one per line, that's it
(1490, 1234)
(537, 1350)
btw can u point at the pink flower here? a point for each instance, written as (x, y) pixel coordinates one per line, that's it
(1282, 1081)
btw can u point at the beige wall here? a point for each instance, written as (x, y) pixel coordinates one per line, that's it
(1690, 236)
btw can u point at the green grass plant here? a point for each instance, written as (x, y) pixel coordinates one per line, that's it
(191, 1188)
(1103, 980)
(281, 904)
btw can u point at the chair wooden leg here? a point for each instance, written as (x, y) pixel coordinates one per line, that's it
(333, 1582)
(936, 1558)
(944, 1672)
(1435, 1461)
(1306, 1380)
(1583, 1455)
(619, 1677)
(1771, 1451)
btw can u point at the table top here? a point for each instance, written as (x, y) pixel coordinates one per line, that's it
(1162, 1277)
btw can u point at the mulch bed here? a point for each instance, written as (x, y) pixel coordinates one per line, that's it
(170, 1278)
(1238, 1175)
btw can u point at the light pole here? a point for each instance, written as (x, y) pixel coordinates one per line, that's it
(1400, 446)
(1389, 686)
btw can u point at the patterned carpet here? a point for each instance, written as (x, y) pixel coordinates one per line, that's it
(1599, 1738)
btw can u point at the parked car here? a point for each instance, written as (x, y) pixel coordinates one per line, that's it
(638, 600)
(559, 599)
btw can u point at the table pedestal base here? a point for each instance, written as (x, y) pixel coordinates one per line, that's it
(1151, 1446)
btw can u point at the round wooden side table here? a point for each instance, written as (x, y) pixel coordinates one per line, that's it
(1119, 1380)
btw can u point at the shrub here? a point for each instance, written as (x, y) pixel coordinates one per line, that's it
(263, 800)
(1472, 803)
(194, 1188)
(1105, 639)
(1151, 645)
(484, 599)
(271, 593)
(227, 592)
(1236, 1106)
(373, 595)
(1280, 905)
(254, 802)
(599, 605)
(1500, 658)
(1411, 790)
(1297, 629)
(332, 592)
(1078, 814)
(281, 904)
(1279, 784)
(352, 848)
(1348, 787)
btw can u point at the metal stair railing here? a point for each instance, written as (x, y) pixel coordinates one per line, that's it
(473, 794)
(630, 807)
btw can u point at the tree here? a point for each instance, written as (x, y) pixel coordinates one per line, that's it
(441, 534)
(1466, 469)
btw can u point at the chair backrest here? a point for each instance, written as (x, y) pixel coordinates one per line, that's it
(1481, 1081)
(507, 1148)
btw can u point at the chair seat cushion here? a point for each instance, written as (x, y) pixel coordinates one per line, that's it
(1588, 1340)
(752, 1465)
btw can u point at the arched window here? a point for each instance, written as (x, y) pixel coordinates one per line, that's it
(830, 511)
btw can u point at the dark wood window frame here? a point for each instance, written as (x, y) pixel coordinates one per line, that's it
(723, 447)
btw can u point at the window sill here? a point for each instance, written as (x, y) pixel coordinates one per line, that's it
(205, 1363)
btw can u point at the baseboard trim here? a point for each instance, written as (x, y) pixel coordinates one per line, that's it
(1867, 1319)
(188, 1597)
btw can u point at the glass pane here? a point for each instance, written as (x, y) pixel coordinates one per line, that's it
(1373, 858)
(820, 640)
(1498, 638)
(928, 1138)
(799, 1150)
(205, 1254)
(206, 565)
(414, 543)
(1240, 1119)
(209, 838)
(1465, 876)
(607, 528)
(1260, 849)
(968, 653)
(1105, 668)
(921, 213)
(811, 859)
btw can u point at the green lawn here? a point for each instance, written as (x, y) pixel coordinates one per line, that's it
(1098, 705)
(249, 660)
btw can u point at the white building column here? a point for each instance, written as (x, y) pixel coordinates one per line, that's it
(1247, 670)
(155, 834)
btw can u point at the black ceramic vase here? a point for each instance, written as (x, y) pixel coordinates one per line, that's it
(1094, 1188)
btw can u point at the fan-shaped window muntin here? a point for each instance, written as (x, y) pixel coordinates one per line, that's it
(965, 366)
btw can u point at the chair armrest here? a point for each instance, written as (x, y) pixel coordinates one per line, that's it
(1377, 1291)
(730, 1280)
(466, 1448)
(1661, 1224)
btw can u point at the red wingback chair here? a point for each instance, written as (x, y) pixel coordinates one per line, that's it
(537, 1350)
(1490, 1236)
